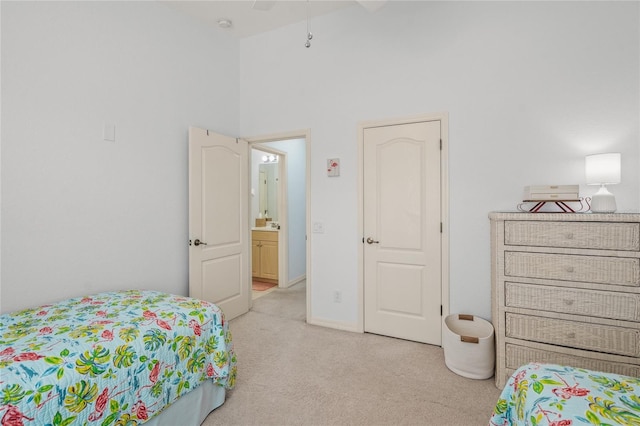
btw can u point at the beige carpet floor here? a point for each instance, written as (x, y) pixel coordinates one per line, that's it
(291, 373)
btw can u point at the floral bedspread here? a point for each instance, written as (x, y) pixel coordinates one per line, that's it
(546, 394)
(115, 358)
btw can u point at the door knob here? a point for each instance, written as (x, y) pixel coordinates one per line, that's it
(198, 242)
(370, 241)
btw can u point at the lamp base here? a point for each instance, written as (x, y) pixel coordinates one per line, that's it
(603, 201)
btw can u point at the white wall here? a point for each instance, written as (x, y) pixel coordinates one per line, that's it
(530, 88)
(81, 215)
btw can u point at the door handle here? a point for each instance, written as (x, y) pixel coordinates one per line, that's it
(197, 242)
(370, 241)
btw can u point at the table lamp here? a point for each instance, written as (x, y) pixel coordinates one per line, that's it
(603, 169)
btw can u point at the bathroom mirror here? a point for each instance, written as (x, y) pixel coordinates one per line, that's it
(268, 190)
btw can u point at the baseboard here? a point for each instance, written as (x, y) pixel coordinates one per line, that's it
(338, 325)
(295, 281)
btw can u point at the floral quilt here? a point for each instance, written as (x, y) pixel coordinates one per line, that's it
(115, 358)
(554, 395)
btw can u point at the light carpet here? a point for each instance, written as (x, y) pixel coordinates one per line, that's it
(291, 373)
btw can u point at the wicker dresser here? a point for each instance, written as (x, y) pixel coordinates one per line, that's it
(566, 290)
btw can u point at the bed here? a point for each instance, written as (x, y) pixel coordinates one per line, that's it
(115, 358)
(547, 394)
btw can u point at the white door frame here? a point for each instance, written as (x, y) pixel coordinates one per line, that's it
(306, 135)
(283, 214)
(444, 182)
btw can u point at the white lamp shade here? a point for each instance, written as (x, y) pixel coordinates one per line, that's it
(602, 169)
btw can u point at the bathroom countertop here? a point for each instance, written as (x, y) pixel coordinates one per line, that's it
(264, 228)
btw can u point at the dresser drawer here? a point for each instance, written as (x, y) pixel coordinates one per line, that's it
(566, 267)
(602, 304)
(587, 235)
(594, 337)
(520, 355)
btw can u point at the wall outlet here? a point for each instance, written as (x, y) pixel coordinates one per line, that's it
(337, 296)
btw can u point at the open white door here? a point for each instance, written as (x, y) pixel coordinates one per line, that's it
(218, 221)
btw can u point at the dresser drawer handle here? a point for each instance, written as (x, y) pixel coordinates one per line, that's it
(569, 269)
(570, 236)
(571, 335)
(568, 302)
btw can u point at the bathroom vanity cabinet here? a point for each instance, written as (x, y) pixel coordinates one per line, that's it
(264, 254)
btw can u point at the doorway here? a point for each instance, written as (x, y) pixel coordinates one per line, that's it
(403, 218)
(288, 214)
(268, 219)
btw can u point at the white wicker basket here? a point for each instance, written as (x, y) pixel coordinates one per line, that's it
(468, 346)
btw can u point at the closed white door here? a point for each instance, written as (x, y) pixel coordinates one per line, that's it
(218, 221)
(402, 231)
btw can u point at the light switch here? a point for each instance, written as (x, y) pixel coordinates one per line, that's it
(318, 228)
(109, 132)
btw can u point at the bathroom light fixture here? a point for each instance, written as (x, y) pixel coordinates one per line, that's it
(603, 169)
(271, 158)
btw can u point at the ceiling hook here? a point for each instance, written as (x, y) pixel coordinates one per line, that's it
(309, 35)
